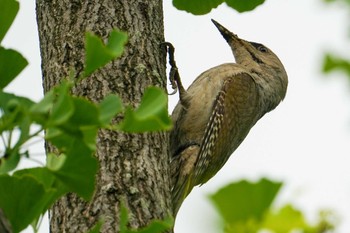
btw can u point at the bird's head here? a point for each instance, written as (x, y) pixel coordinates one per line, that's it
(257, 58)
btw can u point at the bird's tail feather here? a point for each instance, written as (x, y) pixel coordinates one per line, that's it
(182, 168)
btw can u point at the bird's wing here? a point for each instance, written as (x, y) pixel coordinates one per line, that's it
(235, 110)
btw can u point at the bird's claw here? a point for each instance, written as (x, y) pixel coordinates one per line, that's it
(173, 75)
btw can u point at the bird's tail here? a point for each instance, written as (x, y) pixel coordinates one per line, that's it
(182, 167)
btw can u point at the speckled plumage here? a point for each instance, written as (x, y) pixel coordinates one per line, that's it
(217, 111)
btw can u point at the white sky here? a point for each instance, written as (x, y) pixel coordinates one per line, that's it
(304, 142)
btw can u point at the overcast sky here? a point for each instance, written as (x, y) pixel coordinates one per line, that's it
(303, 142)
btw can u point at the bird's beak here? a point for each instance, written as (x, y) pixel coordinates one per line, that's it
(229, 36)
(239, 47)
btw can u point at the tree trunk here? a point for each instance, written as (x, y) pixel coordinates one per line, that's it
(134, 168)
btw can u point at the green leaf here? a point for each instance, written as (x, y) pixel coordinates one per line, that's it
(9, 9)
(156, 226)
(10, 161)
(22, 199)
(89, 137)
(243, 200)
(24, 127)
(17, 101)
(40, 112)
(12, 154)
(110, 106)
(85, 113)
(244, 5)
(285, 220)
(96, 228)
(78, 170)
(63, 107)
(116, 41)
(11, 64)
(151, 115)
(55, 162)
(14, 109)
(97, 54)
(332, 63)
(45, 104)
(10, 121)
(248, 226)
(45, 177)
(62, 140)
(197, 7)
(42, 175)
(14, 117)
(81, 127)
(201, 7)
(124, 218)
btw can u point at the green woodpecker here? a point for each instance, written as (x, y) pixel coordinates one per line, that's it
(217, 111)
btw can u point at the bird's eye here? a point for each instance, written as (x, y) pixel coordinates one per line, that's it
(259, 47)
(262, 49)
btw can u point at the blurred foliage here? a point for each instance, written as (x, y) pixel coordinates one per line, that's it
(250, 200)
(201, 7)
(11, 64)
(246, 207)
(98, 54)
(9, 9)
(156, 226)
(152, 114)
(331, 61)
(340, 1)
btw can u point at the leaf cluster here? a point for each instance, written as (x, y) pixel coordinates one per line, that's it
(70, 123)
(156, 226)
(331, 61)
(201, 7)
(246, 207)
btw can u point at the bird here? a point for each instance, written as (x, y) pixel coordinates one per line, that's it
(217, 111)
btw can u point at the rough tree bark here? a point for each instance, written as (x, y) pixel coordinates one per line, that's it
(133, 167)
